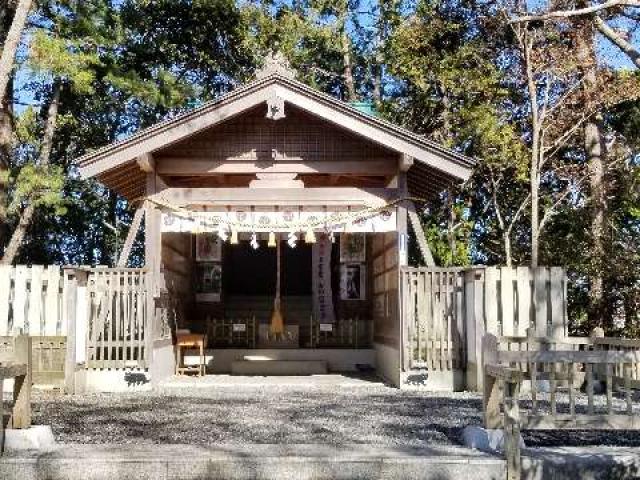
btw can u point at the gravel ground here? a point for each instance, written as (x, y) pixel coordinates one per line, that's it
(374, 415)
(328, 414)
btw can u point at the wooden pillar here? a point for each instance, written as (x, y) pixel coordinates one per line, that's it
(403, 260)
(474, 326)
(21, 413)
(154, 284)
(491, 387)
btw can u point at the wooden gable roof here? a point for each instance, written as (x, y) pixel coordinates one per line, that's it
(434, 166)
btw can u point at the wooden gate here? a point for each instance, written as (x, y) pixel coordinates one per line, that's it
(432, 311)
(117, 326)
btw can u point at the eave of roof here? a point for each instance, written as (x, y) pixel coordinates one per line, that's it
(464, 163)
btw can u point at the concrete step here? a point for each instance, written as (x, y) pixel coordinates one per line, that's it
(249, 461)
(255, 365)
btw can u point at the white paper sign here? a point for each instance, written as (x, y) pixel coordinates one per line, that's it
(239, 327)
(326, 327)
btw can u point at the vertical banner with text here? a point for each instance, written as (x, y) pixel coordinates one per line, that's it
(322, 295)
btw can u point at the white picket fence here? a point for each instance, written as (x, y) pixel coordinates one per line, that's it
(32, 300)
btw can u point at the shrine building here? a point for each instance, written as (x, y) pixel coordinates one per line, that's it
(276, 221)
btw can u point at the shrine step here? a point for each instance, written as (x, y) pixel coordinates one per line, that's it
(265, 367)
(247, 461)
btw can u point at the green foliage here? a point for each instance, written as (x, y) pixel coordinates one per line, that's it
(62, 58)
(41, 185)
(447, 69)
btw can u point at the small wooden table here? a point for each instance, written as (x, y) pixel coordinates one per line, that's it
(190, 340)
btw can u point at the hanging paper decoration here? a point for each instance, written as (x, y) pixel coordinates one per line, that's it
(254, 241)
(272, 240)
(310, 237)
(292, 239)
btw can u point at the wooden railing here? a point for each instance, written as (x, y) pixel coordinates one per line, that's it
(564, 364)
(228, 332)
(118, 326)
(343, 333)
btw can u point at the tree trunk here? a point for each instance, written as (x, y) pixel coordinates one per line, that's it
(536, 164)
(535, 199)
(6, 129)
(595, 152)
(18, 236)
(10, 46)
(595, 156)
(345, 44)
(506, 240)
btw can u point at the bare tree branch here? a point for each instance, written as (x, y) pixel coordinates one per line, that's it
(577, 12)
(617, 40)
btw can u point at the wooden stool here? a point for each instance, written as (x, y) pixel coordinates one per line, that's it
(190, 340)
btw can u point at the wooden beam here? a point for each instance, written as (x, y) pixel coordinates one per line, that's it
(283, 197)
(131, 236)
(185, 166)
(146, 162)
(423, 246)
(405, 163)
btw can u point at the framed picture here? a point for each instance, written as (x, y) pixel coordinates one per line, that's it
(208, 247)
(352, 247)
(208, 282)
(352, 281)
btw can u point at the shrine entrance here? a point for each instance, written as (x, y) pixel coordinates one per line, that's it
(252, 272)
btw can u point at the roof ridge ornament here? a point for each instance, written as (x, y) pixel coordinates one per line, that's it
(275, 63)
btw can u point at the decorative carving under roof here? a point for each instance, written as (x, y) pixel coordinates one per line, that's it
(276, 63)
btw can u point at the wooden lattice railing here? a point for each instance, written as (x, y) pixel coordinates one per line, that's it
(556, 370)
(343, 333)
(228, 332)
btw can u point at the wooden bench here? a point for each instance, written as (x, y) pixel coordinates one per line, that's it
(566, 364)
(16, 363)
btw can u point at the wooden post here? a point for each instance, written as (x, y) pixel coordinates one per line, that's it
(72, 278)
(512, 430)
(21, 412)
(491, 387)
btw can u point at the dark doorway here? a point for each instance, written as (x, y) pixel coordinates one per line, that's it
(247, 271)
(296, 269)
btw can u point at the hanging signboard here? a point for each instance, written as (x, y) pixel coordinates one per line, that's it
(352, 281)
(208, 247)
(321, 281)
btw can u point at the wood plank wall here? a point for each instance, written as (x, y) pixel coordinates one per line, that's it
(383, 265)
(177, 267)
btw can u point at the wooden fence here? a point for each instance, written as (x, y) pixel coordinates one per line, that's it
(31, 301)
(117, 318)
(446, 312)
(564, 366)
(48, 358)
